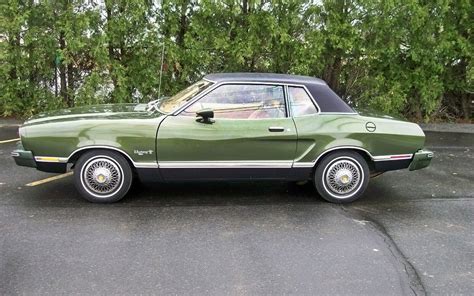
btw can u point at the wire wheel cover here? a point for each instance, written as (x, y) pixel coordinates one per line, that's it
(343, 177)
(102, 176)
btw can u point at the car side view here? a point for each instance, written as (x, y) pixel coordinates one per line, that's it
(229, 126)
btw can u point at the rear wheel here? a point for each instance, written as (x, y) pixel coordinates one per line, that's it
(342, 177)
(102, 176)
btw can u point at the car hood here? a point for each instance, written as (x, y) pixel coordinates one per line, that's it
(106, 111)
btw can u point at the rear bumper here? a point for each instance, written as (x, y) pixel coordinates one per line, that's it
(421, 159)
(415, 161)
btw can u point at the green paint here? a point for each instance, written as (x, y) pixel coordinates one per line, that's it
(180, 138)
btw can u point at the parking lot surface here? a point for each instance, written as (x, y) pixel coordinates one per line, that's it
(411, 233)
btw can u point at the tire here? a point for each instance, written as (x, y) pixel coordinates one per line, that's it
(342, 177)
(102, 176)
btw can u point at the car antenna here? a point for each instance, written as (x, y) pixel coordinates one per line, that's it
(161, 69)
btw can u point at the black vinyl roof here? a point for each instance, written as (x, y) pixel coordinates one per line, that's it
(327, 99)
(263, 77)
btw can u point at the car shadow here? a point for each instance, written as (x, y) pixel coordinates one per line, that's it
(62, 193)
(221, 194)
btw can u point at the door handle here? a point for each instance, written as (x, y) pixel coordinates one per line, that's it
(276, 129)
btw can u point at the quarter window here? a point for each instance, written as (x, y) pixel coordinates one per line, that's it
(301, 103)
(242, 101)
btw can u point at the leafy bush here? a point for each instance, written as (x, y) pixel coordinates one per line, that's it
(404, 57)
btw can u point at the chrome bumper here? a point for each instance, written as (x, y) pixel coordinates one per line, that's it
(23, 157)
(421, 159)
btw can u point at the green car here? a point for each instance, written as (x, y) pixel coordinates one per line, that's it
(238, 126)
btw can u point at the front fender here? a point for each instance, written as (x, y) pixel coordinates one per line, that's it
(133, 137)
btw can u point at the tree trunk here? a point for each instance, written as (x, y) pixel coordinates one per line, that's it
(15, 43)
(465, 97)
(332, 73)
(466, 102)
(70, 84)
(245, 6)
(415, 105)
(182, 24)
(62, 72)
(110, 47)
(244, 24)
(183, 27)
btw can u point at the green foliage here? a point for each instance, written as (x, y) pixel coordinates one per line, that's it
(405, 57)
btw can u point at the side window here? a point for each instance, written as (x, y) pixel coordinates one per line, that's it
(301, 103)
(242, 101)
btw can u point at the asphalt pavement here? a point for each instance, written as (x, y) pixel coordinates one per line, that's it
(410, 234)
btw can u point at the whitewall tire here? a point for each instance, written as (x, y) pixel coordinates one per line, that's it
(102, 176)
(342, 177)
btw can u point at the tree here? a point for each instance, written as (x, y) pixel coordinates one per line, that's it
(405, 57)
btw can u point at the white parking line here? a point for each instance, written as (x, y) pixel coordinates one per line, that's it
(9, 141)
(54, 178)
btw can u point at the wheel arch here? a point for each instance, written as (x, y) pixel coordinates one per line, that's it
(74, 156)
(361, 151)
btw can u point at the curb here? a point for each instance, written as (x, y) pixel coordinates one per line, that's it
(464, 128)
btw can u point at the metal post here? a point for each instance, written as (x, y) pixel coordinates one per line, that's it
(161, 69)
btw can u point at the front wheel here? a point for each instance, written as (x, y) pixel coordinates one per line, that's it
(342, 177)
(102, 176)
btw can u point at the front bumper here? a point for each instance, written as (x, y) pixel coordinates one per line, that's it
(421, 159)
(26, 158)
(23, 157)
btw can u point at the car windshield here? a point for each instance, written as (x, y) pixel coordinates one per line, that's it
(171, 104)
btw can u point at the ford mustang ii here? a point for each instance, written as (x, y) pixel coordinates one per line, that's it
(239, 126)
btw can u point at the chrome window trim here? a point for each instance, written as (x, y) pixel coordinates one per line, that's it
(339, 113)
(310, 97)
(309, 94)
(236, 119)
(289, 112)
(209, 80)
(216, 85)
(205, 91)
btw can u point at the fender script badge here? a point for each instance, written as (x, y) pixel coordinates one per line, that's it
(143, 152)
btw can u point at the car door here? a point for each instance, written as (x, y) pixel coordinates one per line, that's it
(250, 136)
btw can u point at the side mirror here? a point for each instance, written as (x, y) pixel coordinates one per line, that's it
(205, 116)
